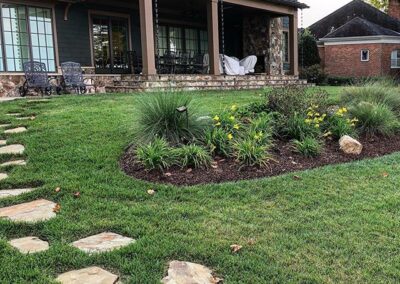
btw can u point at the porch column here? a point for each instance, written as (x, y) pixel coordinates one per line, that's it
(147, 37)
(294, 48)
(213, 36)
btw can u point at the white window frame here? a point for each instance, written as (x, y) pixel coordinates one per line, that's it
(395, 59)
(361, 55)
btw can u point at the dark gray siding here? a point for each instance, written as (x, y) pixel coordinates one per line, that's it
(73, 35)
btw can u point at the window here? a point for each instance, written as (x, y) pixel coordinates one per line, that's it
(395, 59)
(285, 46)
(182, 39)
(365, 55)
(27, 34)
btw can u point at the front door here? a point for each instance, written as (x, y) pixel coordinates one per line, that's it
(110, 45)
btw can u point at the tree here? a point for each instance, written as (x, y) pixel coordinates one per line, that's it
(308, 50)
(380, 4)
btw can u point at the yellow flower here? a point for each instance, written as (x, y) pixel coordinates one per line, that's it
(308, 121)
(216, 118)
(234, 108)
(310, 114)
(327, 134)
(236, 126)
(324, 115)
(230, 136)
(317, 125)
(218, 124)
(344, 110)
(232, 118)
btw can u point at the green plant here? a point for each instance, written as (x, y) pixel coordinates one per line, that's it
(218, 141)
(309, 49)
(253, 109)
(375, 118)
(309, 146)
(262, 128)
(249, 152)
(158, 117)
(313, 74)
(379, 92)
(193, 156)
(339, 124)
(299, 127)
(290, 100)
(156, 155)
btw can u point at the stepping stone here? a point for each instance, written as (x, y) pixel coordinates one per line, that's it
(102, 243)
(16, 149)
(3, 176)
(14, 192)
(29, 245)
(31, 212)
(4, 125)
(180, 272)
(15, 130)
(14, 163)
(90, 275)
(3, 142)
(8, 99)
(13, 114)
(26, 118)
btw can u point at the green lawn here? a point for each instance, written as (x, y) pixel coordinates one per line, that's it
(337, 224)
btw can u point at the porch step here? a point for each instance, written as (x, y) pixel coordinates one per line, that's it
(137, 83)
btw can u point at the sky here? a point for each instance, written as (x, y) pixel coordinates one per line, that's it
(320, 9)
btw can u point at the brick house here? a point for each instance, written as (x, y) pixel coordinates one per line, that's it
(359, 40)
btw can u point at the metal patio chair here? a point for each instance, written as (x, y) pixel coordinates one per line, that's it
(37, 78)
(73, 77)
(183, 63)
(168, 63)
(199, 65)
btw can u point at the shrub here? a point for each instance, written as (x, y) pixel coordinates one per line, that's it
(309, 146)
(375, 118)
(339, 124)
(377, 93)
(313, 74)
(156, 155)
(158, 117)
(299, 127)
(340, 81)
(218, 141)
(253, 110)
(290, 100)
(193, 156)
(249, 152)
(262, 128)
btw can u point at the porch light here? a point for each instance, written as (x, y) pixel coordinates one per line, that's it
(184, 109)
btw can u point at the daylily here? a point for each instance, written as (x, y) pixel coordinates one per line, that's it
(230, 136)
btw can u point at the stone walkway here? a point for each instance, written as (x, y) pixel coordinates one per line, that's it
(42, 210)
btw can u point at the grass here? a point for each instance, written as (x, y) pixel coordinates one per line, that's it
(337, 224)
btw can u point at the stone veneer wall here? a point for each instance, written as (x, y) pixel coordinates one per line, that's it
(262, 36)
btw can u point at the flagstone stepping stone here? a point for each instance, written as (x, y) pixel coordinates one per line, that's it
(3, 176)
(15, 130)
(102, 243)
(90, 275)
(4, 125)
(180, 272)
(3, 142)
(29, 245)
(16, 149)
(5, 193)
(13, 114)
(2, 100)
(26, 118)
(31, 212)
(14, 163)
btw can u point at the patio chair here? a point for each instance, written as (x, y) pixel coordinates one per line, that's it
(37, 78)
(73, 77)
(200, 64)
(168, 63)
(183, 63)
(135, 62)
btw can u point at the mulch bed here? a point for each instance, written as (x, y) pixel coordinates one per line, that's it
(285, 162)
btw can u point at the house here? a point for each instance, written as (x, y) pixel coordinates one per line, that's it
(359, 40)
(113, 40)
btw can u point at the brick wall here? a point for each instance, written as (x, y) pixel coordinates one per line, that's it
(345, 60)
(394, 9)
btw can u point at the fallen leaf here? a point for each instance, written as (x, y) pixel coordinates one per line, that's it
(297, 177)
(214, 166)
(151, 192)
(77, 194)
(57, 208)
(385, 175)
(58, 189)
(251, 242)
(236, 248)
(217, 280)
(168, 174)
(189, 171)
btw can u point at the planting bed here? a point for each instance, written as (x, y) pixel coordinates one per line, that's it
(285, 161)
